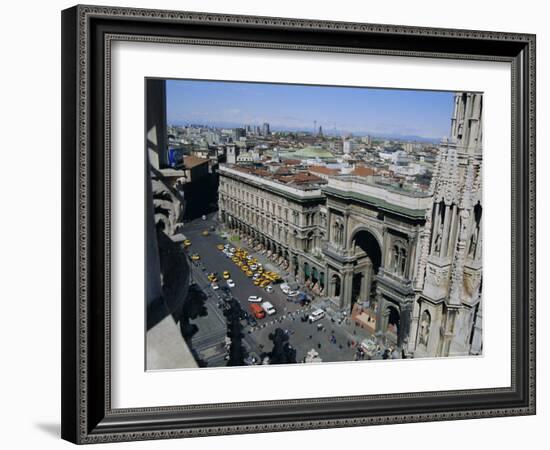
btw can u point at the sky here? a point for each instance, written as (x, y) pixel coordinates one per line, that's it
(382, 112)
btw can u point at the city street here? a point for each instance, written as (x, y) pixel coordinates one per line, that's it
(213, 260)
(333, 341)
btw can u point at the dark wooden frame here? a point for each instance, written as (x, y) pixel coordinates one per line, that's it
(87, 32)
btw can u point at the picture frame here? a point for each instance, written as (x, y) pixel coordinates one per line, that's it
(87, 35)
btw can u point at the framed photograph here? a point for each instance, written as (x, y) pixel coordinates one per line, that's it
(281, 224)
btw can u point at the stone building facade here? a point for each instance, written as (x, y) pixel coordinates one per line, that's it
(287, 221)
(412, 259)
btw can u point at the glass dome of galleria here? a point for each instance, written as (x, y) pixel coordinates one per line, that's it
(309, 153)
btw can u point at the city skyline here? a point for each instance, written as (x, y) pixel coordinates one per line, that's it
(398, 113)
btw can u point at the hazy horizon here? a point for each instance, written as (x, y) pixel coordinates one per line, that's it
(395, 113)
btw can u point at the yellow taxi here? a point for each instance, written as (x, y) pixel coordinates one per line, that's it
(249, 273)
(195, 257)
(205, 233)
(212, 277)
(220, 247)
(186, 243)
(257, 282)
(226, 275)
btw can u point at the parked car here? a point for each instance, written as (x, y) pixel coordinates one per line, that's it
(257, 311)
(255, 299)
(230, 283)
(269, 289)
(268, 308)
(212, 277)
(215, 286)
(316, 315)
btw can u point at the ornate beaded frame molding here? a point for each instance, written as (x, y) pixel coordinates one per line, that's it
(78, 428)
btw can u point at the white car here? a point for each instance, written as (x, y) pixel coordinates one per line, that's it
(230, 283)
(268, 308)
(269, 289)
(285, 288)
(255, 299)
(256, 275)
(215, 286)
(253, 266)
(316, 315)
(292, 293)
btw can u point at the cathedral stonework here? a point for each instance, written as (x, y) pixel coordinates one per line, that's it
(450, 268)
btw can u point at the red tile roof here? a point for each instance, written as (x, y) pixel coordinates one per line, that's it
(362, 171)
(193, 161)
(291, 162)
(324, 170)
(304, 177)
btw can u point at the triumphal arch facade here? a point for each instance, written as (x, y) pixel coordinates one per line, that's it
(370, 252)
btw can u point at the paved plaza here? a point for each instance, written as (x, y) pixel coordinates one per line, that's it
(334, 340)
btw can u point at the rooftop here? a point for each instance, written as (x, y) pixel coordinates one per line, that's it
(300, 185)
(324, 170)
(193, 161)
(309, 152)
(362, 171)
(412, 203)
